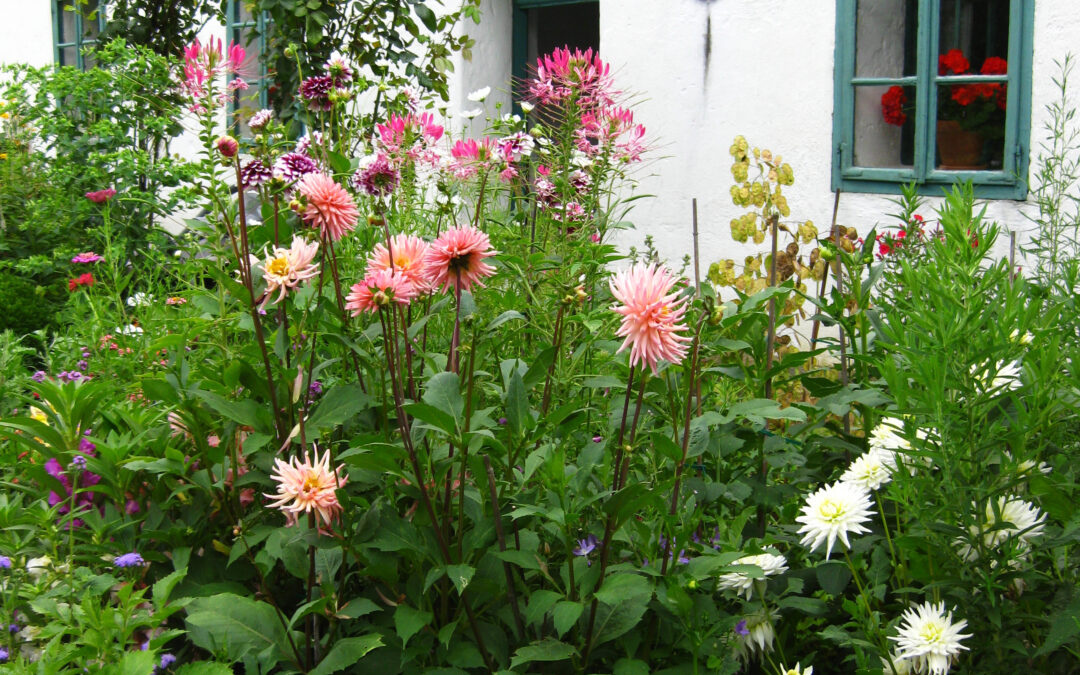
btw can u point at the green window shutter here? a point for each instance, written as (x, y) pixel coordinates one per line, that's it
(921, 82)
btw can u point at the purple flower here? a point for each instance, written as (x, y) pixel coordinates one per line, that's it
(254, 173)
(377, 179)
(316, 92)
(598, 439)
(586, 546)
(82, 365)
(38, 376)
(86, 446)
(3, 655)
(129, 560)
(131, 507)
(166, 661)
(5, 562)
(78, 463)
(683, 558)
(13, 628)
(86, 258)
(503, 421)
(315, 388)
(292, 166)
(741, 628)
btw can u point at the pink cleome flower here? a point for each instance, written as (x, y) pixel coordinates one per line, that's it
(456, 258)
(329, 207)
(378, 289)
(203, 63)
(581, 76)
(101, 196)
(285, 268)
(308, 486)
(651, 314)
(409, 254)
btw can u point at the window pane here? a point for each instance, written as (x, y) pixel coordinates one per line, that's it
(90, 26)
(971, 126)
(884, 126)
(885, 32)
(979, 29)
(68, 56)
(66, 20)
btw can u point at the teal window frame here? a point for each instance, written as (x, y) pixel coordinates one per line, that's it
(520, 41)
(236, 28)
(80, 42)
(1010, 182)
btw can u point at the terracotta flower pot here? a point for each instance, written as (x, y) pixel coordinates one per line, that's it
(959, 148)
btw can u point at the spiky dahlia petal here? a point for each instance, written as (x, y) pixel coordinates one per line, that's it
(329, 207)
(651, 315)
(307, 487)
(456, 258)
(832, 513)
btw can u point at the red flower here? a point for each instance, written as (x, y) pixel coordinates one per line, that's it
(82, 280)
(953, 62)
(892, 106)
(996, 66)
(965, 94)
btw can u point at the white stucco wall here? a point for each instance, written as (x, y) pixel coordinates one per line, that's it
(26, 32)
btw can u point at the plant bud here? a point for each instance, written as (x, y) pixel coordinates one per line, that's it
(228, 146)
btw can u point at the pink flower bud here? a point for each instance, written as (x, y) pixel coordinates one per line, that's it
(228, 146)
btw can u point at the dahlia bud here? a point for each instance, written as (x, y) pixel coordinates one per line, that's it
(290, 50)
(380, 299)
(228, 146)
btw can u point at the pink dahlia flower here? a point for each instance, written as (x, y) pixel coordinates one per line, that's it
(308, 486)
(651, 314)
(456, 258)
(285, 268)
(378, 289)
(329, 207)
(407, 259)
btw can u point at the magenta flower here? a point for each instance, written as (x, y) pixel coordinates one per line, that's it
(86, 258)
(101, 196)
(585, 547)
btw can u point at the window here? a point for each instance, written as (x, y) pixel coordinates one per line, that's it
(249, 32)
(932, 91)
(75, 29)
(542, 25)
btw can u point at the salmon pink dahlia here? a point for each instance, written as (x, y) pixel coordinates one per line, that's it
(651, 314)
(407, 253)
(378, 289)
(456, 258)
(308, 486)
(329, 207)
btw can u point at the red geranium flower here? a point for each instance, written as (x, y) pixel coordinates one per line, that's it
(892, 106)
(953, 62)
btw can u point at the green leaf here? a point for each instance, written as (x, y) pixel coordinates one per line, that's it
(631, 667)
(833, 576)
(545, 650)
(443, 392)
(338, 162)
(160, 390)
(356, 608)
(164, 587)
(667, 447)
(339, 404)
(245, 412)
(346, 652)
(408, 622)
(539, 604)
(508, 315)
(757, 410)
(1064, 626)
(427, 16)
(622, 587)
(615, 621)
(235, 625)
(460, 575)
(433, 417)
(565, 615)
(133, 663)
(205, 668)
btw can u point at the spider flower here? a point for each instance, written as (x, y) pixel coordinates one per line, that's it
(832, 513)
(651, 314)
(929, 638)
(329, 207)
(378, 289)
(285, 268)
(307, 487)
(456, 258)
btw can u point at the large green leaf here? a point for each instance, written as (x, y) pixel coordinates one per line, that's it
(346, 652)
(339, 404)
(237, 626)
(443, 392)
(408, 622)
(545, 650)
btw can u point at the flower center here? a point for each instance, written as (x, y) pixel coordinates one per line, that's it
(931, 633)
(278, 267)
(831, 511)
(311, 483)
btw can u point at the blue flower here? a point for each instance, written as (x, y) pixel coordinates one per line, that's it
(741, 628)
(3, 655)
(129, 560)
(5, 562)
(166, 661)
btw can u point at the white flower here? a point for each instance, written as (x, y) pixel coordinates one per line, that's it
(1027, 522)
(929, 638)
(870, 470)
(831, 513)
(140, 299)
(130, 329)
(899, 666)
(36, 567)
(742, 583)
(1002, 375)
(479, 95)
(526, 107)
(757, 635)
(889, 435)
(797, 670)
(1029, 466)
(469, 114)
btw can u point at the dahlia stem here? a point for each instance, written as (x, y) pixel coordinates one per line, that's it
(311, 636)
(556, 344)
(452, 357)
(519, 624)
(465, 445)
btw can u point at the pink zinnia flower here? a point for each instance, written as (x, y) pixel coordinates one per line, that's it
(285, 268)
(306, 487)
(101, 196)
(456, 258)
(651, 314)
(378, 289)
(87, 257)
(409, 260)
(329, 207)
